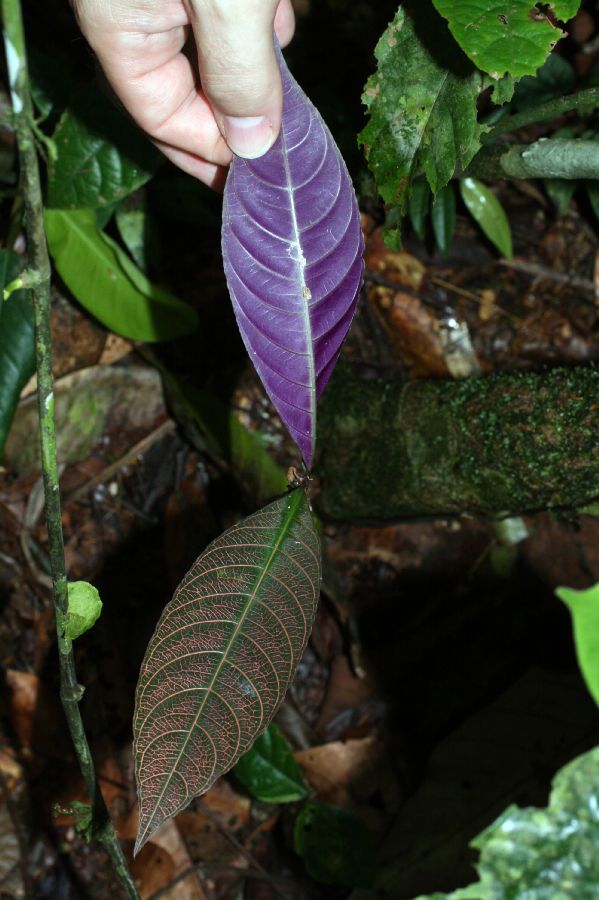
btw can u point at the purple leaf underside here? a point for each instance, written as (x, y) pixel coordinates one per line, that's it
(292, 248)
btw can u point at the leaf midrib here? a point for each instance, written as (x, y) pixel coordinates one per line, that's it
(304, 290)
(285, 526)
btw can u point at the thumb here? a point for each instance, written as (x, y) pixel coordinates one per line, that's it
(239, 70)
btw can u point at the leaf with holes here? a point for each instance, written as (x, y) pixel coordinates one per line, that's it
(223, 655)
(292, 248)
(500, 37)
(421, 105)
(102, 157)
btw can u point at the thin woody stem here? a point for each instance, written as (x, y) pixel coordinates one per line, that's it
(584, 102)
(39, 271)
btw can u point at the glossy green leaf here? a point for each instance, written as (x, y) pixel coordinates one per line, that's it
(84, 608)
(443, 218)
(101, 155)
(269, 770)
(420, 202)
(487, 211)
(422, 113)
(543, 854)
(108, 284)
(584, 608)
(336, 846)
(501, 37)
(223, 655)
(17, 342)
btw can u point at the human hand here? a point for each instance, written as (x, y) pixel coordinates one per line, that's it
(234, 105)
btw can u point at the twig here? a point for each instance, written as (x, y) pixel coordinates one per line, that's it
(249, 857)
(539, 271)
(205, 868)
(39, 263)
(584, 102)
(130, 456)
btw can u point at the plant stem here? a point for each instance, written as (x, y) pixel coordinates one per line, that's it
(583, 102)
(572, 159)
(70, 691)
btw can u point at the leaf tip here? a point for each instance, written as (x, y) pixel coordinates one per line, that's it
(145, 831)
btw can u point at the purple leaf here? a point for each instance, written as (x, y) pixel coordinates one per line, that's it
(292, 248)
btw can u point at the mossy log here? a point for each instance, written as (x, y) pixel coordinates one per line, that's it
(495, 445)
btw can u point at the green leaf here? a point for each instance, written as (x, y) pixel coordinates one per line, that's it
(584, 608)
(269, 770)
(487, 211)
(502, 37)
(422, 112)
(108, 284)
(212, 426)
(336, 846)
(555, 78)
(183, 199)
(224, 436)
(543, 854)
(17, 342)
(138, 231)
(103, 215)
(560, 191)
(502, 88)
(84, 608)
(101, 155)
(420, 201)
(223, 656)
(443, 218)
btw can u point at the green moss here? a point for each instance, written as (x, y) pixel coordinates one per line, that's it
(500, 444)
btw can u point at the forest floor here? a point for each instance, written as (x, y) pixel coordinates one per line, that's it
(439, 683)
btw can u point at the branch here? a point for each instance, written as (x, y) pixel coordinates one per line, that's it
(584, 102)
(497, 445)
(39, 280)
(545, 158)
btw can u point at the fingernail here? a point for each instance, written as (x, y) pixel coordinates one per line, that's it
(248, 136)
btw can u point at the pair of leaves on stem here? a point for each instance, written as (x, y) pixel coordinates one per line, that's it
(228, 644)
(336, 846)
